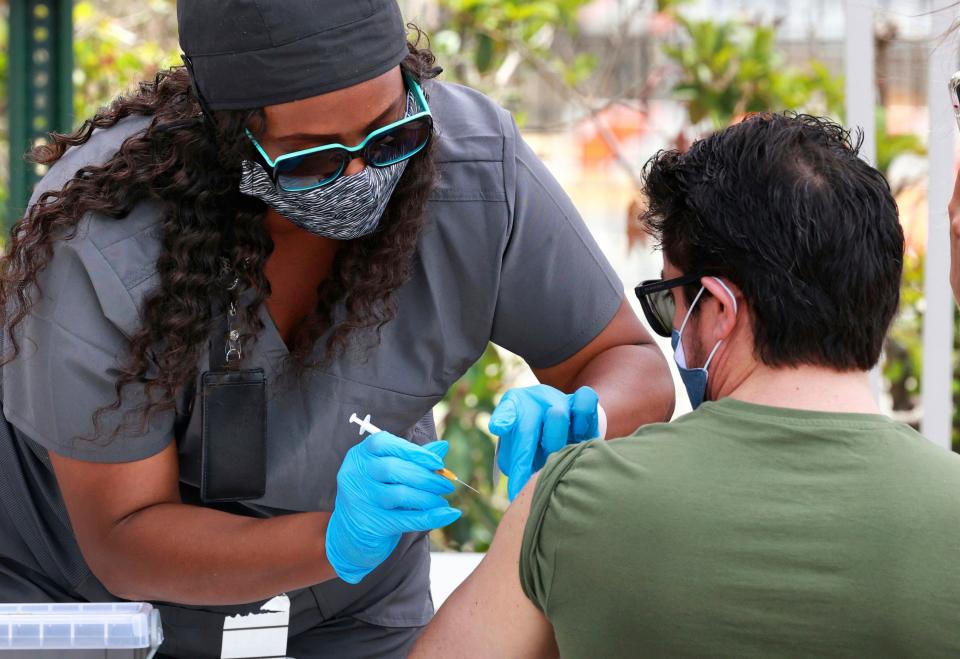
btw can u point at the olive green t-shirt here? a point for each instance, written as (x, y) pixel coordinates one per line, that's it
(748, 531)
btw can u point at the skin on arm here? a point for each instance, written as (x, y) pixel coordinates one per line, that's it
(143, 543)
(489, 615)
(624, 366)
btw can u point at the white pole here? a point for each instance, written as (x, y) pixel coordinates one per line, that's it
(937, 385)
(861, 94)
(861, 89)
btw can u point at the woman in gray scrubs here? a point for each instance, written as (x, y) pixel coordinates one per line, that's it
(204, 290)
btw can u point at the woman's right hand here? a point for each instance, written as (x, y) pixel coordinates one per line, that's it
(386, 486)
(954, 209)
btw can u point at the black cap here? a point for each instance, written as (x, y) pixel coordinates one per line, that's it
(252, 53)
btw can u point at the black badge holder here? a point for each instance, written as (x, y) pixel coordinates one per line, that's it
(233, 418)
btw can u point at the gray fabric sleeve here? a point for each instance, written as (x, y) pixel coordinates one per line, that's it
(67, 367)
(557, 290)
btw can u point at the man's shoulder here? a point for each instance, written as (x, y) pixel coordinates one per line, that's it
(915, 455)
(653, 447)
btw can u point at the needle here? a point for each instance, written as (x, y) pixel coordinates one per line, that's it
(449, 475)
(369, 428)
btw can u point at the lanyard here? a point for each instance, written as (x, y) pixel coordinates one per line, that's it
(226, 350)
(233, 415)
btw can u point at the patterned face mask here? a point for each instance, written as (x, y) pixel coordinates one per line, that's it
(348, 208)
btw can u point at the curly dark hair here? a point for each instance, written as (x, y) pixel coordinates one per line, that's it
(191, 166)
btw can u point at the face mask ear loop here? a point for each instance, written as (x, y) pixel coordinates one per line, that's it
(690, 310)
(733, 298)
(712, 353)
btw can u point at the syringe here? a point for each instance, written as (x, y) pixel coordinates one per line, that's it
(367, 427)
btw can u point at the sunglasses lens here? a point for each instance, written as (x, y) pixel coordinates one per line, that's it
(659, 308)
(664, 308)
(321, 167)
(399, 143)
(311, 170)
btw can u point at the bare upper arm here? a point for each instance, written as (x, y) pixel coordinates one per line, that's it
(624, 329)
(100, 496)
(489, 615)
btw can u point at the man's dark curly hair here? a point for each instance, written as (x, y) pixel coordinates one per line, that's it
(782, 205)
(192, 168)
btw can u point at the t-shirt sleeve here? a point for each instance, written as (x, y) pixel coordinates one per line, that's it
(543, 533)
(68, 365)
(557, 290)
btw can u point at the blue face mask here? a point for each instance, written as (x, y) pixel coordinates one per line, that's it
(695, 379)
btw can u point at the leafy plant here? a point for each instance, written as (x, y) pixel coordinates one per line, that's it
(110, 57)
(889, 147)
(903, 364)
(730, 68)
(486, 40)
(463, 417)
(727, 69)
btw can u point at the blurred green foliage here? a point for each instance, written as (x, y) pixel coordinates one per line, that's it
(731, 68)
(479, 36)
(889, 147)
(462, 420)
(4, 124)
(903, 363)
(904, 347)
(488, 43)
(110, 55)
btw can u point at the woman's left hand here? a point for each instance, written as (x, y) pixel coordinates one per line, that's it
(534, 422)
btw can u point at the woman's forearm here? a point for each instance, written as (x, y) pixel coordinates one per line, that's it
(634, 386)
(191, 555)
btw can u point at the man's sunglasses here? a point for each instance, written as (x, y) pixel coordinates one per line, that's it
(321, 165)
(657, 302)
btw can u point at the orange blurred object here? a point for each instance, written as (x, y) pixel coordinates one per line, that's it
(912, 204)
(623, 122)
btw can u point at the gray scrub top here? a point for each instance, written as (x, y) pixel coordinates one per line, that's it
(504, 257)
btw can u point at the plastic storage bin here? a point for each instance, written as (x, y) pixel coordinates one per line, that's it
(116, 630)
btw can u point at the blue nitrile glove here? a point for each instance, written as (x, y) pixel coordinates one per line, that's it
(533, 422)
(386, 487)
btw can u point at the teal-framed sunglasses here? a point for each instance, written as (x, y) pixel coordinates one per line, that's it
(321, 165)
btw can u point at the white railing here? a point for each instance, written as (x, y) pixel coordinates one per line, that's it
(937, 384)
(447, 571)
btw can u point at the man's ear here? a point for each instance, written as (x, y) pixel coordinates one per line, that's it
(729, 301)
